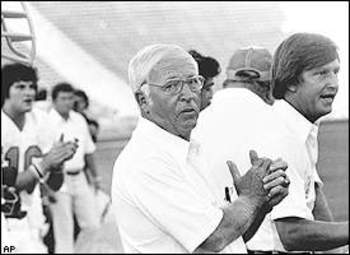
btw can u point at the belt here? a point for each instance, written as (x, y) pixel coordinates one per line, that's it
(73, 172)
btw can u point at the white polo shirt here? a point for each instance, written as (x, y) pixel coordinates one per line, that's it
(74, 127)
(161, 201)
(302, 157)
(236, 121)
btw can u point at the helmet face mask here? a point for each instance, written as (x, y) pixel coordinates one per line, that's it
(17, 46)
(11, 203)
(10, 199)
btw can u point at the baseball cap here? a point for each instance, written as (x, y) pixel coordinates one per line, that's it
(251, 62)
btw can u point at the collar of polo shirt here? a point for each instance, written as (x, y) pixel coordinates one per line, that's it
(163, 138)
(296, 121)
(58, 115)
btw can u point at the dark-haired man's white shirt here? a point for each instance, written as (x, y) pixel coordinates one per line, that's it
(75, 195)
(161, 201)
(75, 127)
(302, 159)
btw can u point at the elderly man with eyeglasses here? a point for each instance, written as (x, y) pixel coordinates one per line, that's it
(162, 201)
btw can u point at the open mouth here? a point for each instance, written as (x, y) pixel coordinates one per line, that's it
(28, 100)
(328, 97)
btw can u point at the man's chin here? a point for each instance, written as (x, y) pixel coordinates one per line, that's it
(189, 125)
(186, 129)
(327, 111)
(27, 108)
(324, 112)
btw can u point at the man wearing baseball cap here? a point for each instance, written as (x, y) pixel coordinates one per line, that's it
(250, 68)
(233, 124)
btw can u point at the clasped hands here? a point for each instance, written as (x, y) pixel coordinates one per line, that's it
(265, 183)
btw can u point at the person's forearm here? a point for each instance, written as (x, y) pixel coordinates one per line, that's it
(238, 217)
(26, 180)
(90, 164)
(255, 224)
(306, 235)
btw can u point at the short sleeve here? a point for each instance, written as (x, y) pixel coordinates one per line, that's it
(173, 205)
(294, 204)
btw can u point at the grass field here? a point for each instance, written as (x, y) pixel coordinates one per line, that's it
(333, 164)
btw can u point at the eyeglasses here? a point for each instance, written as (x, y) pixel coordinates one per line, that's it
(175, 86)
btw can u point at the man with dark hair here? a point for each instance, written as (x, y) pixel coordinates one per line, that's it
(75, 195)
(28, 149)
(41, 95)
(81, 105)
(250, 68)
(304, 76)
(209, 68)
(13, 73)
(82, 100)
(305, 82)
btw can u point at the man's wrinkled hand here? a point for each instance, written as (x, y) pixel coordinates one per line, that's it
(251, 184)
(276, 182)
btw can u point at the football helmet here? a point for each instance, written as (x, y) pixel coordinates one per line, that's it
(10, 199)
(14, 44)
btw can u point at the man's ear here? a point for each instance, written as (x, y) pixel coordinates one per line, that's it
(142, 101)
(292, 88)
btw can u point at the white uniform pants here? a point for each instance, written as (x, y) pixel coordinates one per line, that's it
(17, 233)
(79, 198)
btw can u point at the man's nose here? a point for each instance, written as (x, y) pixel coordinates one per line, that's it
(29, 92)
(187, 93)
(334, 81)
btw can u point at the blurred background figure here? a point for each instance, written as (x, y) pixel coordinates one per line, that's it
(81, 105)
(250, 68)
(41, 95)
(209, 68)
(41, 101)
(75, 196)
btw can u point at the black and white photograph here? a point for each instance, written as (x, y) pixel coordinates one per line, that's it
(174, 127)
